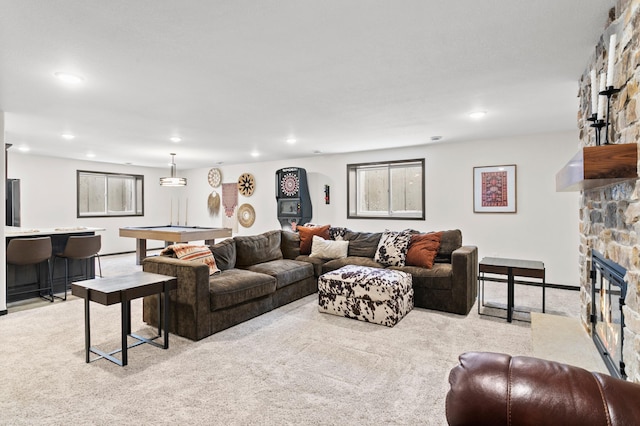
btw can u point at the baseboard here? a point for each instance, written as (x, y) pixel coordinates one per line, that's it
(5, 312)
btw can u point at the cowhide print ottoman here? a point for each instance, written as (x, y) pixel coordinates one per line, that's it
(381, 296)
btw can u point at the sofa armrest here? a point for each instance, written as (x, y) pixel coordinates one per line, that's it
(188, 303)
(464, 265)
(498, 389)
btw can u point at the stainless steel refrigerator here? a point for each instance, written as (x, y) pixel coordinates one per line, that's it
(13, 202)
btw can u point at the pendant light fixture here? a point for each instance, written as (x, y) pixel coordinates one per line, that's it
(173, 180)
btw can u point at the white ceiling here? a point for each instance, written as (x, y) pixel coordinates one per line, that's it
(235, 76)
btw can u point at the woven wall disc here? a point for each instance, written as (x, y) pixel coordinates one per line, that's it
(246, 215)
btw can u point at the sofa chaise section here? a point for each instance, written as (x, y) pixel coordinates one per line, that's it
(255, 278)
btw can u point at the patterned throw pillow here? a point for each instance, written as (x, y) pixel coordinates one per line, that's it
(392, 248)
(337, 233)
(193, 253)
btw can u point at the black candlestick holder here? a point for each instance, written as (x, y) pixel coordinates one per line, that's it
(610, 91)
(598, 125)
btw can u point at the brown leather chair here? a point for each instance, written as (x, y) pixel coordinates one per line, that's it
(498, 389)
(78, 247)
(32, 251)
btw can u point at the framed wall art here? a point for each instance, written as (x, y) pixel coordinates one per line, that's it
(494, 189)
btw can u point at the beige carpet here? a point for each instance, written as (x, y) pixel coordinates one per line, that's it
(290, 366)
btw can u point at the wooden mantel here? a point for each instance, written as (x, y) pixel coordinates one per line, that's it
(597, 166)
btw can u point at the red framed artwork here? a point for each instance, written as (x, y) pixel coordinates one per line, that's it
(494, 189)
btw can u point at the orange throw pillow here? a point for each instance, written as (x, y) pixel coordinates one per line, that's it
(423, 249)
(307, 233)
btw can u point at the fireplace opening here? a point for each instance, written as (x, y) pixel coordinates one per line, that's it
(608, 291)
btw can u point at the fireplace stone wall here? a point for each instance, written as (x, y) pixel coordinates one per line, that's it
(610, 216)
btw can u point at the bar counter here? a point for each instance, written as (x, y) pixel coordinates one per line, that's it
(23, 278)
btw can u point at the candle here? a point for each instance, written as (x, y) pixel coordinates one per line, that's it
(612, 59)
(171, 213)
(179, 210)
(186, 210)
(594, 92)
(602, 99)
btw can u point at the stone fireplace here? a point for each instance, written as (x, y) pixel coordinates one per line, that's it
(608, 293)
(610, 215)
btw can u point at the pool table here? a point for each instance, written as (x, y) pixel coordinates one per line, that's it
(171, 234)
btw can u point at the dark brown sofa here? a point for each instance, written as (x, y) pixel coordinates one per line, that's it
(450, 286)
(498, 389)
(262, 272)
(255, 278)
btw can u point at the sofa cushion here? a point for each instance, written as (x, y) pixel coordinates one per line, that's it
(258, 248)
(440, 277)
(316, 262)
(423, 249)
(392, 248)
(225, 254)
(235, 286)
(328, 249)
(307, 233)
(362, 244)
(285, 271)
(350, 260)
(290, 244)
(449, 242)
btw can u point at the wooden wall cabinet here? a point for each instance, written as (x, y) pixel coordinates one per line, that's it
(598, 166)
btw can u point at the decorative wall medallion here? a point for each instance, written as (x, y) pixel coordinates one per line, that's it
(246, 184)
(246, 215)
(290, 184)
(214, 177)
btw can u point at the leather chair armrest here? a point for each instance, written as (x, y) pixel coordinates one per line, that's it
(498, 389)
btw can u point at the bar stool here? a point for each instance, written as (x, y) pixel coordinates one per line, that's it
(32, 251)
(82, 247)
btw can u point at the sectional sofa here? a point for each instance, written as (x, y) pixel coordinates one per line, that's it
(262, 272)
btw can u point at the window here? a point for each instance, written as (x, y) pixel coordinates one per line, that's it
(109, 194)
(384, 190)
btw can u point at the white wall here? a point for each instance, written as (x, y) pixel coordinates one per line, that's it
(48, 197)
(544, 228)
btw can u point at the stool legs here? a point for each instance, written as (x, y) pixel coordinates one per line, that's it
(66, 273)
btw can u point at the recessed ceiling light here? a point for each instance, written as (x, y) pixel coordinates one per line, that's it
(317, 152)
(24, 148)
(435, 138)
(90, 155)
(478, 114)
(69, 78)
(291, 141)
(67, 136)
(175, 139)
(255, 154)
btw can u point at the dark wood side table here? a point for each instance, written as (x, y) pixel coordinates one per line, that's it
(123, 289)
(512, 268)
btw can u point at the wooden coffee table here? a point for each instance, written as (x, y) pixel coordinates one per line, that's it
(123, 289)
